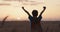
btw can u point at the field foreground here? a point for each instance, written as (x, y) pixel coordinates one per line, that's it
(24, 26)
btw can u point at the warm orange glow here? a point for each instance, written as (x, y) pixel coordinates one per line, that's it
(15, 12)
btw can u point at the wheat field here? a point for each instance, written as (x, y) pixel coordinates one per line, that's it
(24, 26)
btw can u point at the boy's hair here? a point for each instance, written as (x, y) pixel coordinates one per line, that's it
(34, 12)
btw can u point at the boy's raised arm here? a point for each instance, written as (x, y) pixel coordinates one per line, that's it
(26, 11)
(42, 11)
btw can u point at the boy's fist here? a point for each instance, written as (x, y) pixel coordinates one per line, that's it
(22, 7)
(44, 7)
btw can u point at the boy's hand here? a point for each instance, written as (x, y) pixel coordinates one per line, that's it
(22, 7)
(44, 7)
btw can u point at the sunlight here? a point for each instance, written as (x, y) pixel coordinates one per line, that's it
(18, 18)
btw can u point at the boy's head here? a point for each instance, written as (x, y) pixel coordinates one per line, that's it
(35, 13)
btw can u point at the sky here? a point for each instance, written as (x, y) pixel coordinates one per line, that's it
(12, 9)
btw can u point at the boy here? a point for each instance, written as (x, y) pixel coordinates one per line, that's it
(35, 21)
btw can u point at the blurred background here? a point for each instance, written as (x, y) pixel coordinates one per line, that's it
(14, 19)
(12, 8)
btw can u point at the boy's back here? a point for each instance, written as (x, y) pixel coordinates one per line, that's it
(35, 23)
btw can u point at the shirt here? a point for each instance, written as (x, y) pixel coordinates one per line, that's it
(35, 20)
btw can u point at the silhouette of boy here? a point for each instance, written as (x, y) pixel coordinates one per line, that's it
(35, 21)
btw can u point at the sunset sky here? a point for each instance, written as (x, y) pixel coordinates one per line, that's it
(15, 12)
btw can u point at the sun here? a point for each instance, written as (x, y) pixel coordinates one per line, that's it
(18, 18)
